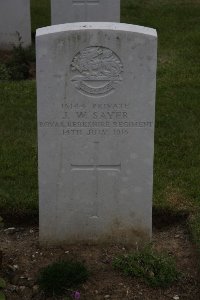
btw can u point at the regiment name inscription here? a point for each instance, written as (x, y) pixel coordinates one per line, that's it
(93, 119)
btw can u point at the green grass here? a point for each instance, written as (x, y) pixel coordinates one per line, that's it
(18, 155)
(40, 14)
(177, 155)
(157, 270)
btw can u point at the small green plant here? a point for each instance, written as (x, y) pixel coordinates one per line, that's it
(4, 72)
(18, 64)
(2, 296)
(62, 276)
(158, 270)
(2, 286)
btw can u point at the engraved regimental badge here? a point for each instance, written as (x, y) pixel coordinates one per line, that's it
(96, 71)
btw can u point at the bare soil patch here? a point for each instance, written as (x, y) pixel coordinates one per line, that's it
(23, 258)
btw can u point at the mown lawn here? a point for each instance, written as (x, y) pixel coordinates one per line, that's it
(177, 150)
(18, 190)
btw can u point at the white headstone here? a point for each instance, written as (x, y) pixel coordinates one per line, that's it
(67, 11)
(96, 97)
(15, 23)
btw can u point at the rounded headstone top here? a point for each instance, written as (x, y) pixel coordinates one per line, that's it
(96, 26)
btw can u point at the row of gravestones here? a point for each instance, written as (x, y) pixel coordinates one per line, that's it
(96, 87)
(15, 20)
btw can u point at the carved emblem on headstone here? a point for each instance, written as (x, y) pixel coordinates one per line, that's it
(97, 71)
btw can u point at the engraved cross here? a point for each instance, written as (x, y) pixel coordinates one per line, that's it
(85, 3)
(96, 167)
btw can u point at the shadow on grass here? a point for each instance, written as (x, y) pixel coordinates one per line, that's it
(162, 217)
(166, 217)
(20, 218)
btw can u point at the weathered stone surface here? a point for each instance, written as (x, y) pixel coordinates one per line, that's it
(67, 11)
(15, 23)
(96, 100)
